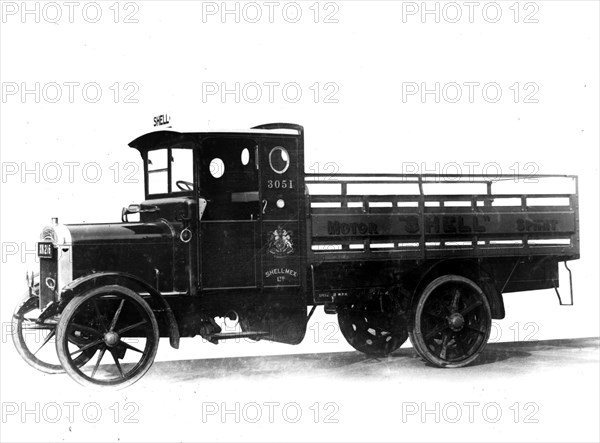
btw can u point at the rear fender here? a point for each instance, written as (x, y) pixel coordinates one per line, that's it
(470, 269)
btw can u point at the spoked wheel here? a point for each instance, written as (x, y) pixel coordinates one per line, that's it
(125, 337)
(452, 322)
(35, 341)
(373, 328)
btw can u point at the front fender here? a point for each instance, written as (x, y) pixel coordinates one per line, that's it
(80, 285)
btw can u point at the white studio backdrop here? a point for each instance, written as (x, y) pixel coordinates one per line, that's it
(378, 86)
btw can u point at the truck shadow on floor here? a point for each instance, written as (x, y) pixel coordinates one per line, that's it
(521, 356)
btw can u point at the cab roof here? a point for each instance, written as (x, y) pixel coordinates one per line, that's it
(157, 139)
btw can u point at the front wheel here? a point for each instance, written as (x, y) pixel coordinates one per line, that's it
(452, 322)
(120, 322)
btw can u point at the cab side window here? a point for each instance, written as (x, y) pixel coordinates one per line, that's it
(229, 179)
(170, 170)
(158, 172)
(182, 169)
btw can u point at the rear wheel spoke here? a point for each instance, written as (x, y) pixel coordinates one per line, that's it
(444, 346)
(478, 331)
(435, 331)
(471, 307)
(437, 316)
(459, 347)
(455, 300)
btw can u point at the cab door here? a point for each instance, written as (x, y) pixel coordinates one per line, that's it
(229, 228)
(280, 187)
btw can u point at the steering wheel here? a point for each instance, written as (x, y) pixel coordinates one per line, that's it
(184, 185)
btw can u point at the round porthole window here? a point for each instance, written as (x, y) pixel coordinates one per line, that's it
(245, 156)
(217, 168)
(279, 159)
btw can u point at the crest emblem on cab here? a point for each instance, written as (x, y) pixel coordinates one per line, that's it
(280, 242)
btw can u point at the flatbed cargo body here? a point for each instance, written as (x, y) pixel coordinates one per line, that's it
(518, 235)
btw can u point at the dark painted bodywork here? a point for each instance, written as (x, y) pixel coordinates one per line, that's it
(142, 249)
(245, 253)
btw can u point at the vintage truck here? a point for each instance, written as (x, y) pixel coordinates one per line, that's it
(229, 229)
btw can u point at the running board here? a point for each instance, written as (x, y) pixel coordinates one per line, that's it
(230, 335)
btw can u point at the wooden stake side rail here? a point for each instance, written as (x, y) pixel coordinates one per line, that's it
(433, 226)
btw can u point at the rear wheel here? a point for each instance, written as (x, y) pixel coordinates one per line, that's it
(452, 322)
(375, 328)
(35, 341)
(125, 337)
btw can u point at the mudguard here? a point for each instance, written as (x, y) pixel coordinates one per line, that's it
(82, 284)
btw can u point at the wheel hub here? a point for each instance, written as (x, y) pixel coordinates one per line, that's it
(456, 322)
(111, 338)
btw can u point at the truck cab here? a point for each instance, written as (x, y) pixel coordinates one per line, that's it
(235, 203)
